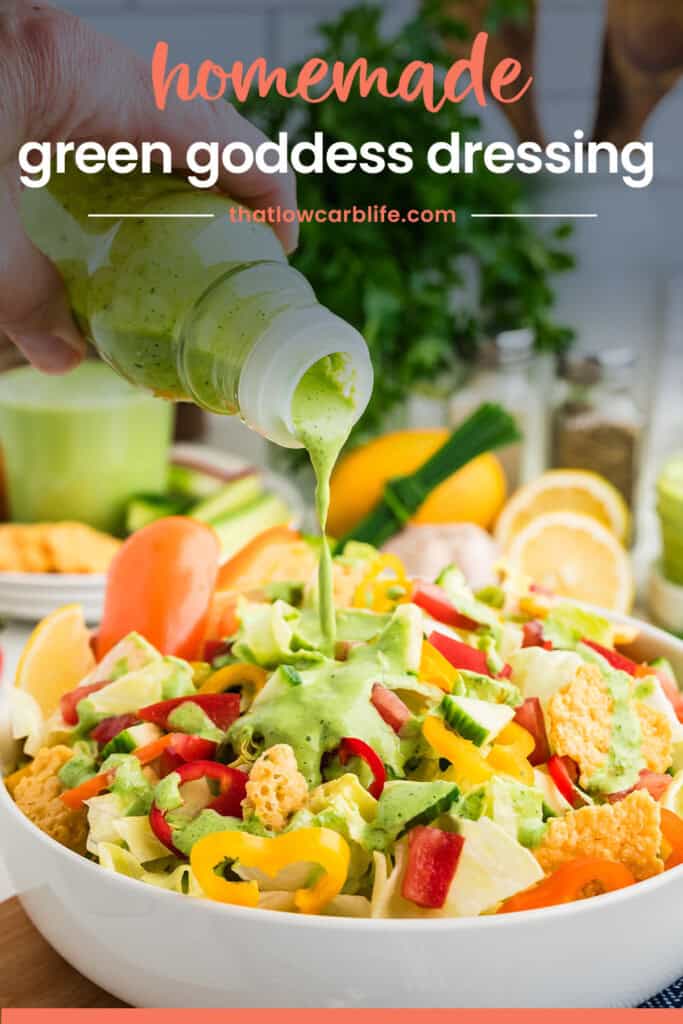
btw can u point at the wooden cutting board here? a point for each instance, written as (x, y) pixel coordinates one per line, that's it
(33, 975)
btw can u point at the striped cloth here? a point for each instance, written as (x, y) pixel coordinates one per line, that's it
(670, 999)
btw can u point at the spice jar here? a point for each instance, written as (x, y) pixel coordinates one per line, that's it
(509, 371)
(597, 424)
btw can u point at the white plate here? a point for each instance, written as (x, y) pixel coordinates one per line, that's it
(31, 596)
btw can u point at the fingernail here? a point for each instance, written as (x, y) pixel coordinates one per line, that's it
(49, 352)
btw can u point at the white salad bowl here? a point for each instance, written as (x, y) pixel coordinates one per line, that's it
(154, 948)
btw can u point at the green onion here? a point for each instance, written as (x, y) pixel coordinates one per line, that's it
(488, 428)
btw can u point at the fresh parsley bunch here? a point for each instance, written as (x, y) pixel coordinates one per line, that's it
(399, 283)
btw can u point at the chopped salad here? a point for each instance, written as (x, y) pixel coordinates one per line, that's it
(455, 754)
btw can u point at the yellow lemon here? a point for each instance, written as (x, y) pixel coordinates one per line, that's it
(565, 490)
(56, 658)
(475, 494)
(575, 556)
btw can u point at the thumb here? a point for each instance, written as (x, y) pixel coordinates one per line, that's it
(34, 311)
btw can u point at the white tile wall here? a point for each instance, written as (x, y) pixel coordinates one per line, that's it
(625, 260)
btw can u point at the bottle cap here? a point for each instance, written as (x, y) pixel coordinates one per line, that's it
(294, 342)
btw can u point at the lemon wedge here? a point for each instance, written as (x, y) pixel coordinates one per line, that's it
(56, 658)
(565, 490)
(577, 557)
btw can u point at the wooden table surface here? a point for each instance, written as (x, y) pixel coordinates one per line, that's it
(33, 975)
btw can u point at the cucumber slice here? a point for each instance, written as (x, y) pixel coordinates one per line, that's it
(476, 720)
(237, 528)
(130, 739)
(229, 499)
(193, 483)
(144, 509)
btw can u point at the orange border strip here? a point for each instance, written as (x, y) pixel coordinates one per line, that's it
(336, 1016)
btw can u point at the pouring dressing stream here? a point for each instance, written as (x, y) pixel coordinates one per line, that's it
(323, 413)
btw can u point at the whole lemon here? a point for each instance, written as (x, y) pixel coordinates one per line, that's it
(475, 494)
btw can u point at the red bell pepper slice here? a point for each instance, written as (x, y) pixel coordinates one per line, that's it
(233, 789)
(459, 654)
(618, 661)
(462, 656)
(433, 857)
(530, 716)
(69, 702)
(183, 748)
(352, 747)
(564, 773)
(390, 707)
(655, 783)
(221, 708)
(109, 728)
(533, 636)
(434, 600)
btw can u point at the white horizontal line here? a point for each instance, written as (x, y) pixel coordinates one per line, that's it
(137, 216)
(536, 216)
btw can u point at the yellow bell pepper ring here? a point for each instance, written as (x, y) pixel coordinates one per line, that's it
(436, 669)
(469, 767)
(235, 675)
(384, 586)
(320, 846)
(514, 735)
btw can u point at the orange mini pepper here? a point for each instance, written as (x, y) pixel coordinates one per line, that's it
(672, 829)
(572, 881)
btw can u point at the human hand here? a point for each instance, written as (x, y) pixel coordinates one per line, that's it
(61, 80)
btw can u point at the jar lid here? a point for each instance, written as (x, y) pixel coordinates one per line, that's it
(588, 369)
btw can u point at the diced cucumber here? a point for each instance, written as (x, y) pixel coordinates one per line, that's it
(241, 526)
(228, 499)
(144, 509)
(476, 720)
(192, 483)
(132, 738)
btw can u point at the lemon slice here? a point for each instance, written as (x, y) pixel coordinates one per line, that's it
(576, 557)
(56, 658)
(565, 490)
(673, 796)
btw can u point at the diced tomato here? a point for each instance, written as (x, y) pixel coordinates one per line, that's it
(69, 701)
(221, 708)
(533, 636)
(352, 747)
(655, 783)
(530, 716)
(618, 661)
(434, 600)
(184, 748)
(433, 857)
(564, 773)
(108, 728)
(505, 672)
(390, 707)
